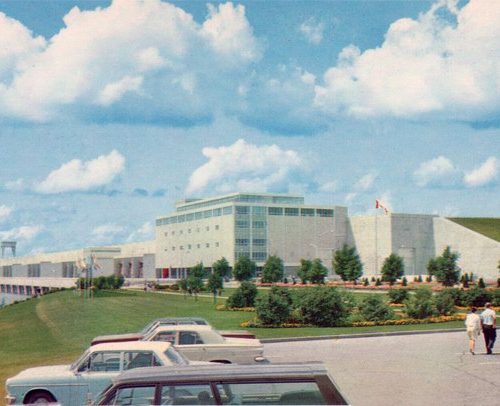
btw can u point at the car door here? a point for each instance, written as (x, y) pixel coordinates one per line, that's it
(192, 346)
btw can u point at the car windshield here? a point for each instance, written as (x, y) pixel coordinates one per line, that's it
(75, 364)
(176, 357)
(148, 327)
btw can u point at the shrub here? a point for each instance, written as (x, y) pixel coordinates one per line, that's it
(495, 299)
(273, 309)
(498, 283)
(459, 296)
(445, 303)
(324, 307)
(477, 296)
(415, 279)
(404, 281)
(398, 295)
(365, 282)
(244, 296)
(481, 284)
(378, 282)
(373, 278)
(420, 305)
(419, 278)
(373, 308)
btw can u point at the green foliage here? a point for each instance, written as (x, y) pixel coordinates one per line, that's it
(221, 267)
(195, 279)
(495, 297)
(365, 282)
(273, 270)
(477, 296)
(273, 309)
(102, 282)
(183, 284)
(404, 281)
(445, 303)
(392, 269)
(215, 283)
(347, 265)
(283, 292)
(318, 272)
(398, 295)
(373, 308)
(325, 307)
(244, 269)
(445, 267)
(480, 283)
(244, 296)
(498, 282)
(304, 270)
(459, 296)
(421, 304)
(419, 278)
(378, 282)
(489, 227)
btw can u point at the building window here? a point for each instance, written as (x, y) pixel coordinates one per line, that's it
(259, 210)
(216, 226)
(242, 210)
(189, 231)
(198, 215)
(173, 232)
(260, 242)
(181, 247)
(166, 249)
(197, 245)
(180, 232)
(173, 248)
(181, 218)
(242, 242)
(324, 212)
(166, 234)
(291, 211)
(259, 224)
(216, 244)
(227, 210)
(207, 228)
(275, 211)
(189, 217)
(307, 212)
(259, 256)
(207, 245)
(217, 212)
(242, 224)
(238, 255)
(207, 213)
(189, 246)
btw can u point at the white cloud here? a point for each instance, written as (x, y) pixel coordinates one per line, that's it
(145, 232)
(5, 212)
(329, 187)
(15, 185)
(25, 233)
(110, 53)
(247, 167)
(361, 186)
(77, 175)
(439, 171)
(483, 175)
(428, 65)
(107, 233)
(312, 30)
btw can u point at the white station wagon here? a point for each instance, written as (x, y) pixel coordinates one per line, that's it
(80, 383)
(203, 343)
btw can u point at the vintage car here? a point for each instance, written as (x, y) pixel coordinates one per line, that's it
(271, 384)
(167, 321)
(79, 383)
(203, 343)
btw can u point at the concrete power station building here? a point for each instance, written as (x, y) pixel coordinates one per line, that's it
(257, 226)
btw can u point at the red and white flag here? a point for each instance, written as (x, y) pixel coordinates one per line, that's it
(379, 205)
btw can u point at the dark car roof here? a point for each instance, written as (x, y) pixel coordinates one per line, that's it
(220, 371)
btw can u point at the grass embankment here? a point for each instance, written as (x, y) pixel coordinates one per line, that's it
(490, 227)
(57, 328)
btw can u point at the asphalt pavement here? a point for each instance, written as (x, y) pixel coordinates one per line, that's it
(423, 369)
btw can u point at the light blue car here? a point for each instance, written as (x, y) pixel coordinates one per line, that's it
(80, 383)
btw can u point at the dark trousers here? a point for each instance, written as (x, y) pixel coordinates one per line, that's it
(490, 335)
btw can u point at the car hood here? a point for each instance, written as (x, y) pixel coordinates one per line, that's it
(40, 374)
(115, 338)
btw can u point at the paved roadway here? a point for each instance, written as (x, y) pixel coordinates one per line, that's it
(424, 369)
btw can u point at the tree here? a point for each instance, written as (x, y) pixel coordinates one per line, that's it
(373, 308)
(304, 270)
(221, 266)
(324, 307)
(244, 269)
(195, 279)
(273, 309)
(273, 270)
(347, 265)
(318, 272)
(445, 267)
(244, 296)
(392, 269)
(215, 283)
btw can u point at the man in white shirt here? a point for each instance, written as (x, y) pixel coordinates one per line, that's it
(489, 325)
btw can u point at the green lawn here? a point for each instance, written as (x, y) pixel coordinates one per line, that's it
(56, 328)
(490, 227)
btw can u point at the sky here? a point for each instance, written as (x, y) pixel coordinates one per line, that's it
(111, 111)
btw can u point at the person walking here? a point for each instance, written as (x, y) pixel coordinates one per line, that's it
(489, 325)
(473, 326)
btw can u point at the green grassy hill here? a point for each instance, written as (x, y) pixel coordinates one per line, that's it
(490, 227)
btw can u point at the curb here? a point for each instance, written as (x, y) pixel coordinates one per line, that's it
(360, 335)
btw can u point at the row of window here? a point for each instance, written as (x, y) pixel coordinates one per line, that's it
(244, 242)
(246, 224)
(207, 228)
(255, 256)
(295, 211)
(199, 215)
(190, 246)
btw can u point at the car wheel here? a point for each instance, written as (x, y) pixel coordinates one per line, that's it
(39, 398)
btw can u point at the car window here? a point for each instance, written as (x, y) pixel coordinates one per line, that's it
(275, 393)
(168, 336)
(189, 337)
(142, 395)
(200, 394)
(139, 359)
(105, 361)
(176, 357)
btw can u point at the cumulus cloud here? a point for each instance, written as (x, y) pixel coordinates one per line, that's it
(15, 185)
(25, 233)
(431, 65)
(107, 233)
(247, 167)
(485, 174)
(76, 175)
(362, 185)
(157, 63)
(438, 172)
(329, 187)
(145, 232)
(5, 212)
(312, 30)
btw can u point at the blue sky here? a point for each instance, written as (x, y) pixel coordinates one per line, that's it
(112, 111)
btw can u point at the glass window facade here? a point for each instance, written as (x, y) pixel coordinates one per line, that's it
(275, 211)
(291, 211)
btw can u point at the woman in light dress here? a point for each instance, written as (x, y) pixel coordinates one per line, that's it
(473, 325)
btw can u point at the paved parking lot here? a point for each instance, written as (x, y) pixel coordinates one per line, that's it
(424, 369)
